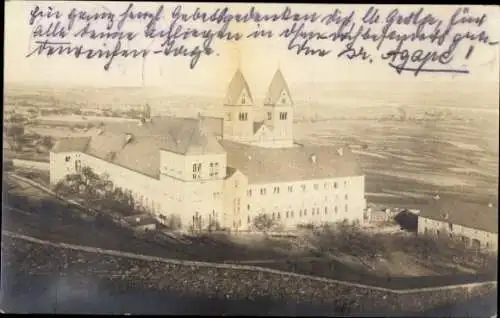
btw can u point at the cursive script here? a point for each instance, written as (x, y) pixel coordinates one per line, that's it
(414, 41)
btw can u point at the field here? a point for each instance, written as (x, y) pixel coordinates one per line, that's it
(405, 161)
(448, 144)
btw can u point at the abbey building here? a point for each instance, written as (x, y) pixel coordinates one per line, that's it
(226, 169)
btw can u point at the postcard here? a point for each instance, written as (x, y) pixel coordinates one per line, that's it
(250, 158)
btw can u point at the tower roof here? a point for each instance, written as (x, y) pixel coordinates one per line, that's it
(236, 86)
(278, 84)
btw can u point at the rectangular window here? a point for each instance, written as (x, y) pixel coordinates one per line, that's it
(269, 116)
(283, 115)
(303, 187)
(450, 225)
(262, 191)
(305, 212)
(326, 210)
(276, 190)
(196, 170)
(346, 208)
(243, 116)
(214, 169)
(249, 192)
(286, 214)
(290, 188)
(336, 209)
(346, 197)
(316, 187)
(291, 214)
(335, 185)
(326, 185)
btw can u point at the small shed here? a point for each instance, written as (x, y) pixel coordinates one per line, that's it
(380, 215)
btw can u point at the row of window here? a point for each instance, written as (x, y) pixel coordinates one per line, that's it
(276, 189)
(283, 115)
(212, 172)
(303, 212)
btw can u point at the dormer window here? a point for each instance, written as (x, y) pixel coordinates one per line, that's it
(68, 158)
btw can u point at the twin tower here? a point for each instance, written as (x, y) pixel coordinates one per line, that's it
(270, 126)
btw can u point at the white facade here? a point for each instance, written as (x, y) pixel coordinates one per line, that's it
(201, 188)
(474, 237)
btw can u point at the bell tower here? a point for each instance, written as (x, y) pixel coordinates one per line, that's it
(238, 110)
(278, 106)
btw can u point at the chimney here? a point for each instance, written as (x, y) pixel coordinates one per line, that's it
(128, 138)
(340, 151)
(313, 159)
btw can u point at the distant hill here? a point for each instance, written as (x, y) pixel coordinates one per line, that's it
(312, 100)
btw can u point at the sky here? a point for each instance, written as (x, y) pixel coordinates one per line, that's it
(258, 59)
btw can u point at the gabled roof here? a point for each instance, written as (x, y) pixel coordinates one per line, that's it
(236, 86)
(278, 84)
(75, 144)
(267, 165)
(186, 136)
(257, 125)
(469, 214)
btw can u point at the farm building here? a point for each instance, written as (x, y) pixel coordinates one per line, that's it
(476, 224)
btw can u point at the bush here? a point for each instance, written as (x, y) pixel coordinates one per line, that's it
(173, 222)
(264, 223)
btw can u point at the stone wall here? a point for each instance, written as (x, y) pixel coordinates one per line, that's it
(226, 280)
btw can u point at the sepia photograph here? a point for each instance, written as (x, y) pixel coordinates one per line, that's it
(250, 159)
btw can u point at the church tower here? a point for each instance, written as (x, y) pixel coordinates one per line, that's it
(278, 106)
(238, 110)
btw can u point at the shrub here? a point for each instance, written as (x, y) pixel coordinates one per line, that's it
(264, 223)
